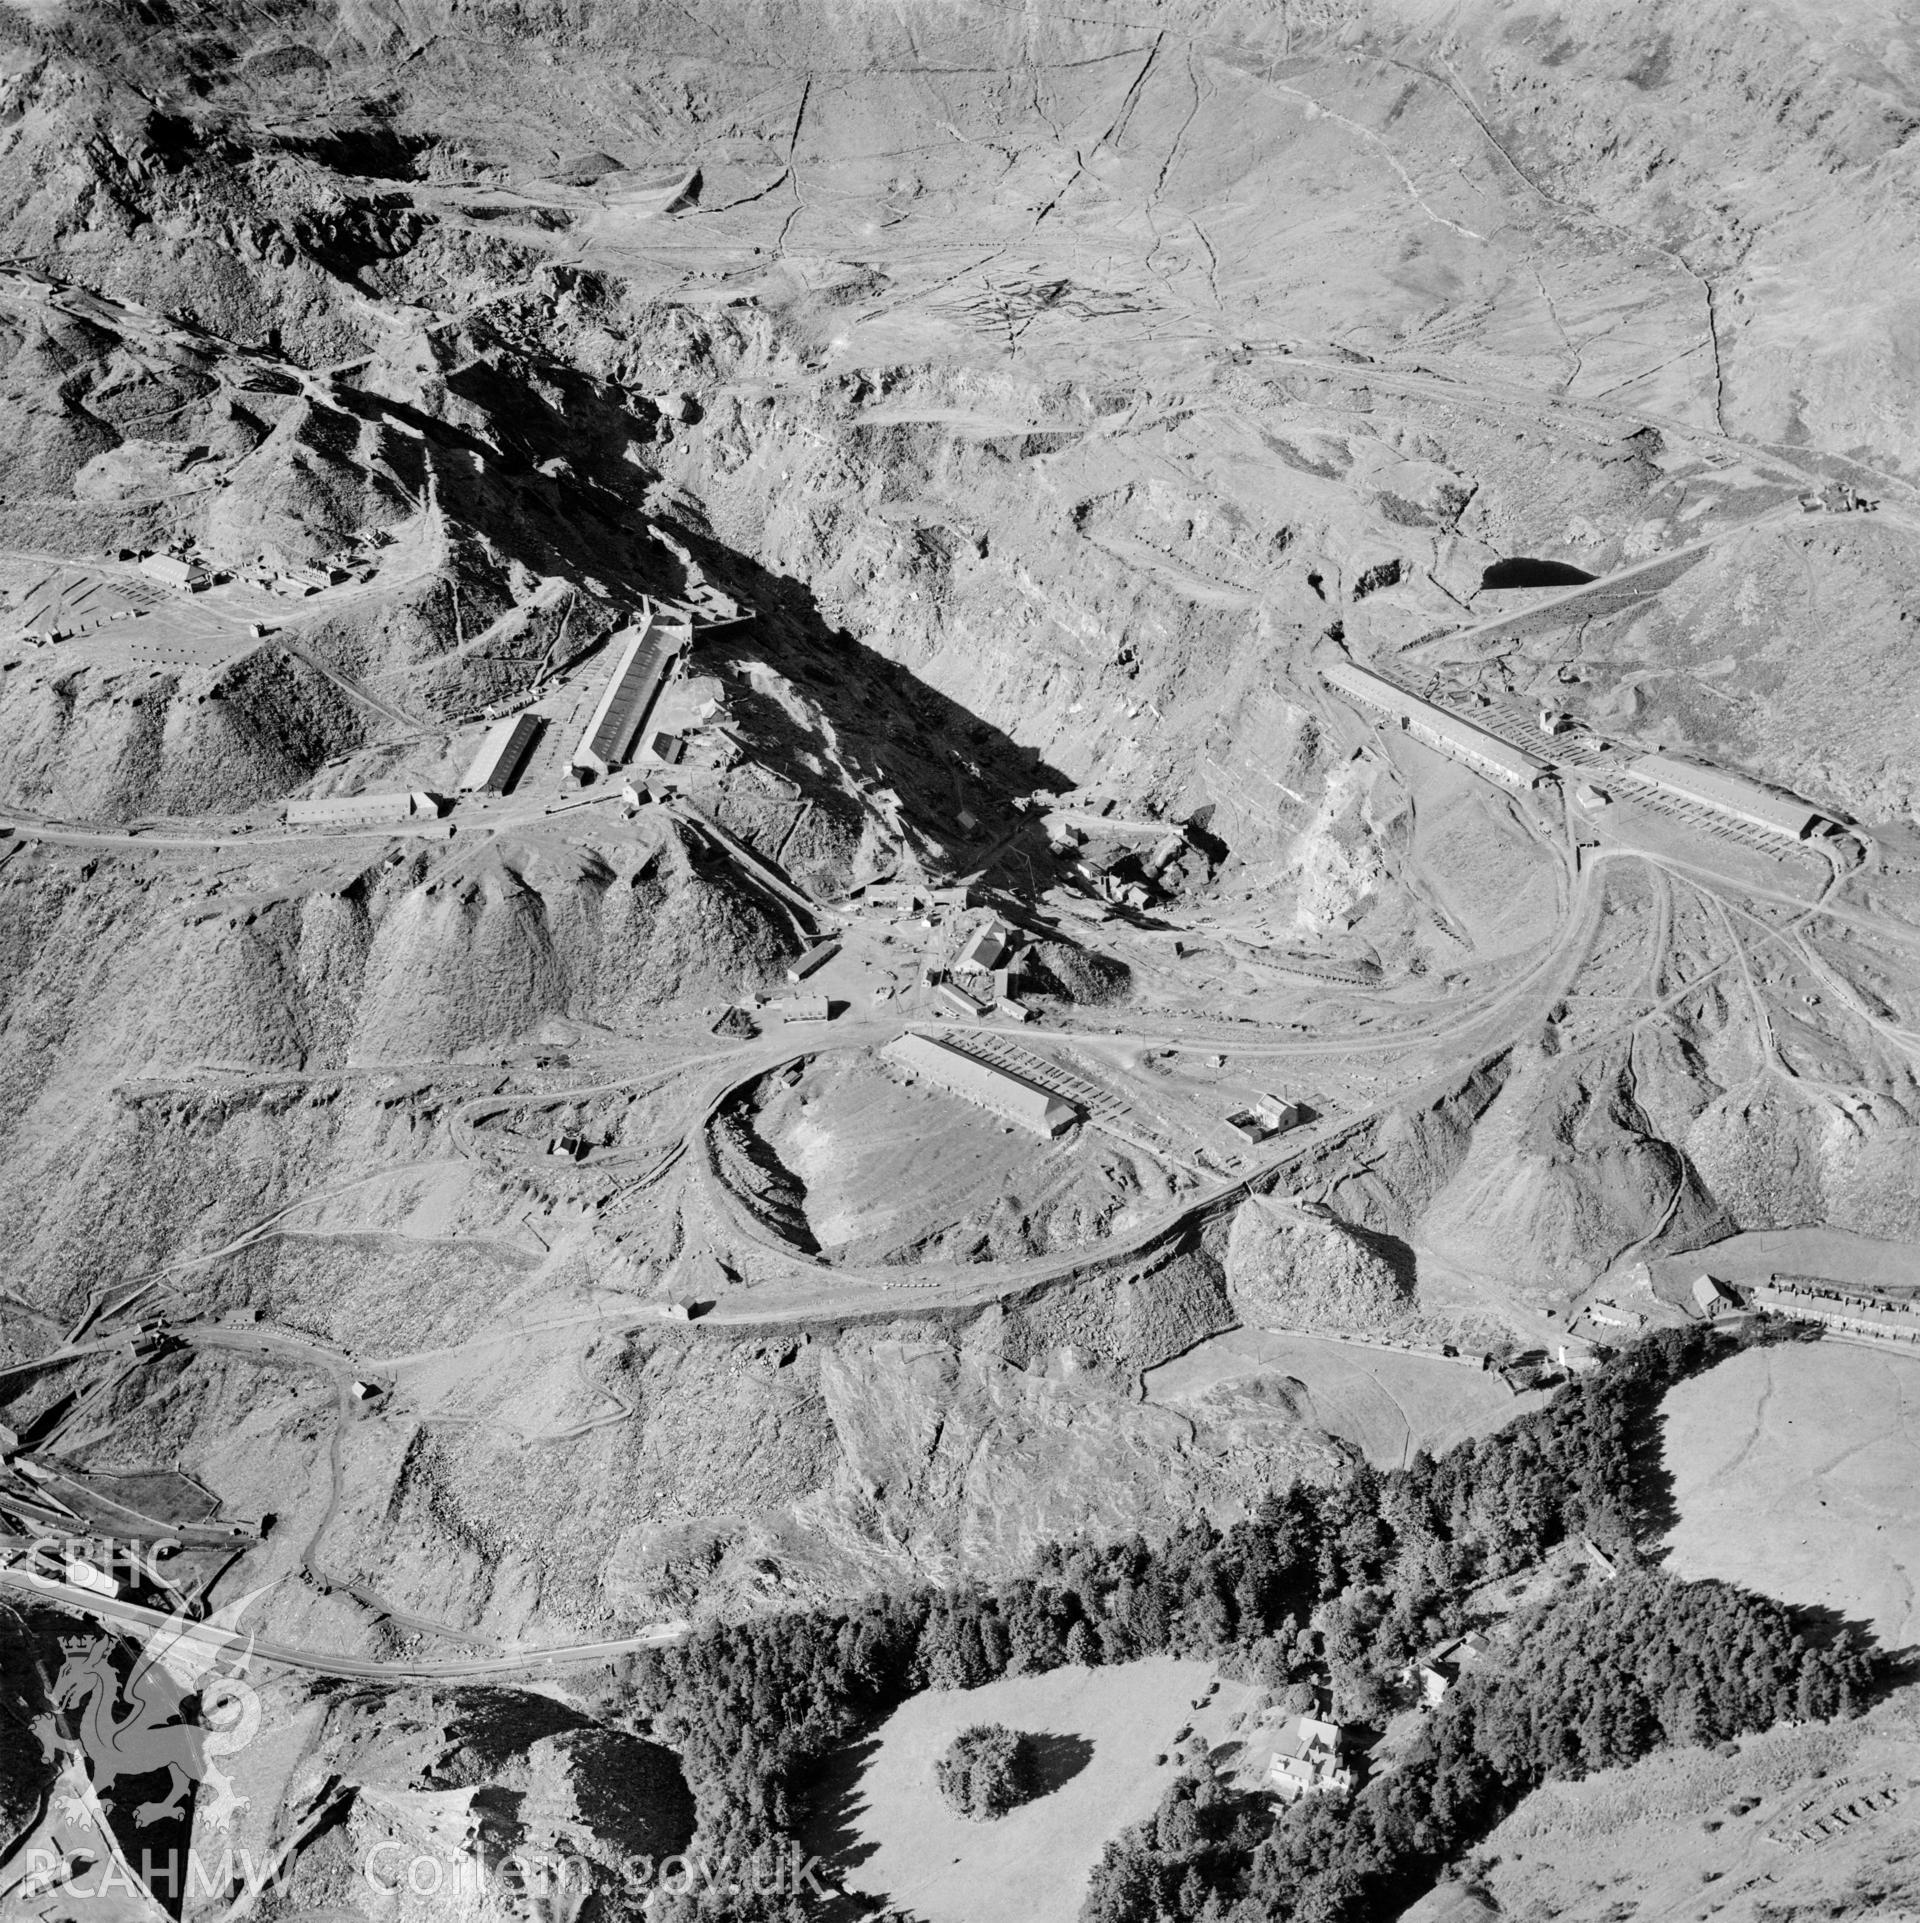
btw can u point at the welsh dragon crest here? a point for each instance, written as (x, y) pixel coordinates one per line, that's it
(183, 1707)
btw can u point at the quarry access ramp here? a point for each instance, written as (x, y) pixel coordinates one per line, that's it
(849, 1296)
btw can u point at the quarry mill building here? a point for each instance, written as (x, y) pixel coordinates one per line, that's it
(1732, 797)
(502, 754)
(1451, 734)
(643, 662)
(1001, 1091)
(1731, 794)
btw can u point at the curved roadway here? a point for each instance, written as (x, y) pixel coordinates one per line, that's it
(155, 1622)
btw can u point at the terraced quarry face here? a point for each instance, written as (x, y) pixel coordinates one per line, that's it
(1319, 602)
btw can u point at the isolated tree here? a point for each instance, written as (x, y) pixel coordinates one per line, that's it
(986, 1771)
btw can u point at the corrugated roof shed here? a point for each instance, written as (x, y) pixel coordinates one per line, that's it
(953, 996)
(815, 957)
(501, 755)
(986, 945)
(338, 808)
(645, 656)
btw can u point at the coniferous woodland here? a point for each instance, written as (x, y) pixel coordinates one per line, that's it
(1338, 1585)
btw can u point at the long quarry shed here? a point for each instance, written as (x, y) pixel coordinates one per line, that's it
(1731, 794)
(502, 754)
(1480, 748)
(644, 658)
(999, 1090)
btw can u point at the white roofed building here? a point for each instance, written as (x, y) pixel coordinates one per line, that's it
(1731, 794)
(1479, 748)
(332, 811)
(175, 572)
(999, 1090)
(501, 755)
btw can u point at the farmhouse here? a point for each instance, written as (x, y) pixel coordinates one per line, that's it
(1306, 1762)
(1712, 1297)
(1611, 1315)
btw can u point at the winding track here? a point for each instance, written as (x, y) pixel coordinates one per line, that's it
(857, 1292)
(855, 1295)
(154, 1622)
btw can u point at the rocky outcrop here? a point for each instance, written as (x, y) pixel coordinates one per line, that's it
(518, 1800)
(1112, 1325)
(1300, 1267)
(1081, 975)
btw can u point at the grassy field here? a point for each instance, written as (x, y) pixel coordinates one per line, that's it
(1838, 1254)
(1798, 1823)
(1386, 1402)
(907, 1846)
(1793, 1472)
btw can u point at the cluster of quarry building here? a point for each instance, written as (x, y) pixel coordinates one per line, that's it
(1853, 1312)
(645, 657)
(1496, 758)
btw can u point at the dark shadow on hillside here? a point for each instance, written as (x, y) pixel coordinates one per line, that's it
(940, 758)
(1888, 1670)
(1056, 1760)
(1650, 1482)
(369, 147)
(564, 489)
(1396, 1254)
(1521, 572)
(1827, 1628)
(1896, 1669)
(828, 1824)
